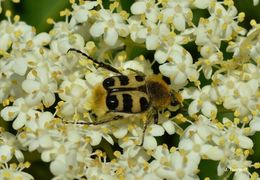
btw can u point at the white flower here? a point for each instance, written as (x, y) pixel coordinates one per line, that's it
(9, 147)
(156, 33)
(203, 99)
(16, 34)
(206, 33)
(180, 69)
(243, 98)
(73, 92)
(20, 112)
(146, 7)
(37, 135)
(40, 87)
(210, 57)
(81, 12)
(234, 141)
(177, 13)
(62, 44)
(132, 163)
(111, 25)
(10, 85)
(151, 132)
(14, 171)
(225, 20)
(96, 133)
(178, 165)
(137, 31)
(196, 140)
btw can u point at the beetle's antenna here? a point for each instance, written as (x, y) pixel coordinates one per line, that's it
(100, 64)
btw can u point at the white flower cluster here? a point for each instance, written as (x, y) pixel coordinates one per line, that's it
(46, 91)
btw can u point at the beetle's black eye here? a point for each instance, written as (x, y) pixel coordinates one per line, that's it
(112, 102)
(108, 82)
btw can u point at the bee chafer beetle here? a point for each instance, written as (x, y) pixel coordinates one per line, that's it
(130, 94)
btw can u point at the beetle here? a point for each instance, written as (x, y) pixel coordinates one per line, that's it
(129, 94)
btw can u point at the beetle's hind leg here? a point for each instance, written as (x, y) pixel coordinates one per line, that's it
(115, 118)
(100, 64)
(146, 123)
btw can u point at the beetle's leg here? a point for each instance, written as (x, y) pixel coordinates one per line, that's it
(144, 130)
(96, 122)
(100, 64)
(155, 120)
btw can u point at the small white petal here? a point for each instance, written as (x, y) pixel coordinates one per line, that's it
(241, 176)
(255, 124)
(165, 173)
(19, 155)
(111, 36)
(169, 127)
(97, 29)
(160, 56)
(193, 108)
(45, 156)
(230, 103)
(9, 113)
(185, 144)
(156, 130)
(42, 39)
(208, 108)
(67, 109)
(138, 7)
(120, 132)
(202, 4)
(221, 169)
(212, 152)
(19, 121)
(194, 160)
(5, 40)
(108, 139)
(48, 99)
(33, 146)
(6, 151)
(180, 79)
(149, 142)
(81, 15)
(152, 42)
(58, 167)
(46, 141)
(20, 67)
(95, 139)
(245, 142)
(34, 99)
(167, 69)
(179, 22)
(29, 85)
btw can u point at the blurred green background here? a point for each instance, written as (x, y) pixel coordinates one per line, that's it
(35, 13)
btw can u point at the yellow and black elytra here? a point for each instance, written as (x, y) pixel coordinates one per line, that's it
(131, 94)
